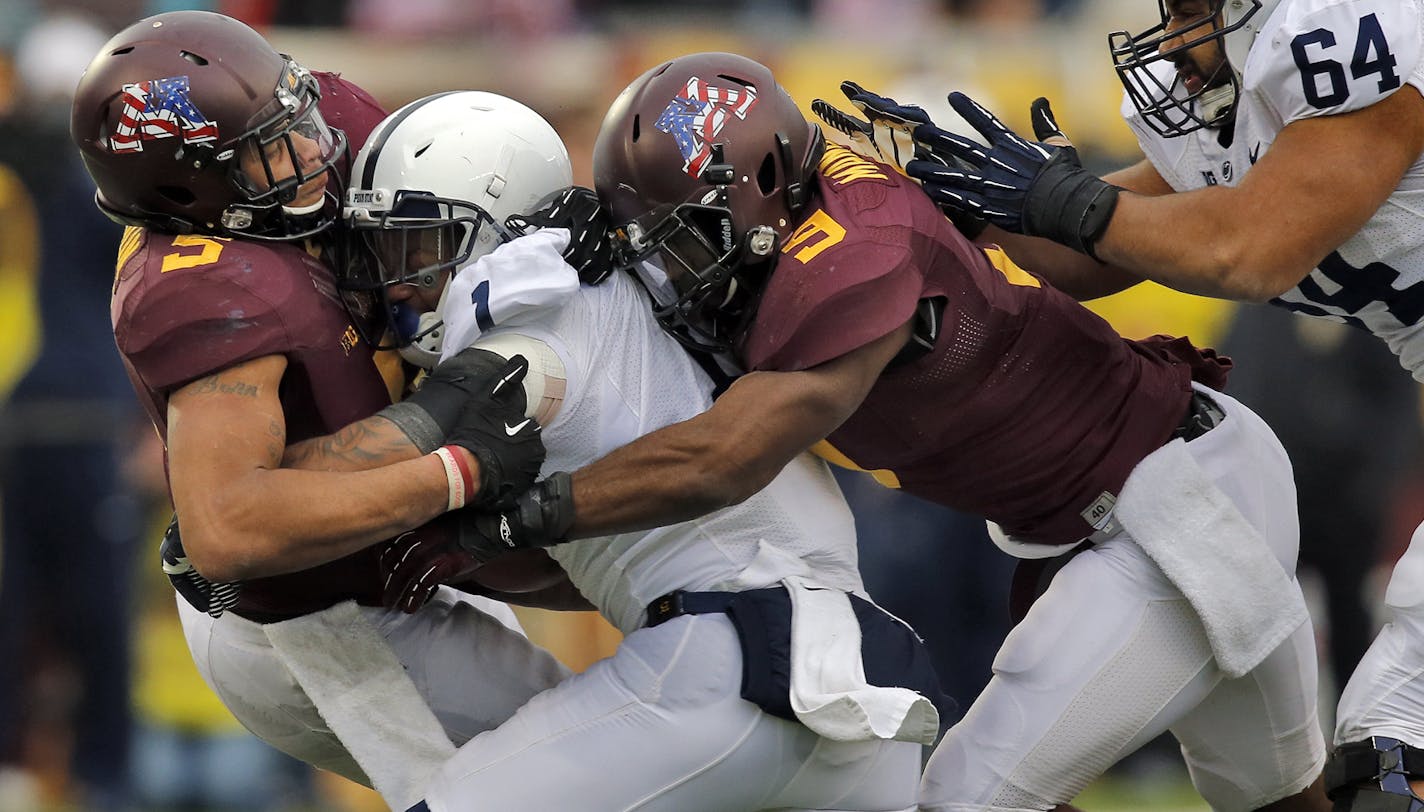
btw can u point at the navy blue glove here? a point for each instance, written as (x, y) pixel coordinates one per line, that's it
(1026, 187)
(539, 517)
(889, 136)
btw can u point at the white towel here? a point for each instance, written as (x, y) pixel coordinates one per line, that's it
(1245, 599)
(829, 693)
(521, 278)
(367, 699)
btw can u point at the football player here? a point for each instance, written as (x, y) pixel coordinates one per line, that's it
(875, 333)
(224, 157)
(1284, 153)
(691, 703)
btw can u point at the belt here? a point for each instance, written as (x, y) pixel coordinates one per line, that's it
(678, 603)
(1203, 415)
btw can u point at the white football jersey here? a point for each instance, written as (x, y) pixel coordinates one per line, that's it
(1320, 58)
(625, 377)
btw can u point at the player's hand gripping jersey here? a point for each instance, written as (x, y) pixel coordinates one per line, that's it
(1321, 58)
(991, 420)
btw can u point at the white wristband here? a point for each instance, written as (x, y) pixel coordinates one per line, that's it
(454, 478)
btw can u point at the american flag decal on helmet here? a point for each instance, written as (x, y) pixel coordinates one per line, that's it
(160, 108)
(694, 118)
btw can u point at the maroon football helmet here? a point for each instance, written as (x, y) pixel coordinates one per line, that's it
(704, 163)
(191, 122)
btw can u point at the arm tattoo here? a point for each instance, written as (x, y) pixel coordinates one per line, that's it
(277, 439)
(371, 443)
(213, 384)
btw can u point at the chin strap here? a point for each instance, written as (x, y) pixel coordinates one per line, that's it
(1373, 776)
(425, 345)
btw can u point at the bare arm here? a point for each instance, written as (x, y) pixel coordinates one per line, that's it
(361, 446)
(1316, 186)
(1079, 275)
(729, 452)
(243, 516)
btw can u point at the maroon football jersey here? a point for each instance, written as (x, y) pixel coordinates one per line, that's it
(1028, 408)
(185, 307)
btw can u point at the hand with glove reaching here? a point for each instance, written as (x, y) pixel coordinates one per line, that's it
(887, 134)
(460, 545)
(577, 209)
(492, 426)
(417, 562)
(1036, 188)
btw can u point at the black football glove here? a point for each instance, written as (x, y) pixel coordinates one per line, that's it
(577, 209)
(199, 592)
(888, 136)
(429, 413)
(1025, 187)
(538, 517)
(492, 426)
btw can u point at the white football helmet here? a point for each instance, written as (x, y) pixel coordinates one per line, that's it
(1159, 95)
(430, 193)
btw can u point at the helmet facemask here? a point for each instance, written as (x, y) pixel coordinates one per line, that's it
(713, 278)
(1169, 105)
(421, 240)
(704, 164)
(286, 148)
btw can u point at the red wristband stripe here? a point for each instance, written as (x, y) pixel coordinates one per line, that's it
(470, 485)
(454, 477)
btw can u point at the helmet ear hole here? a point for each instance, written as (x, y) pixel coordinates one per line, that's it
(637, 128)
(766, 175)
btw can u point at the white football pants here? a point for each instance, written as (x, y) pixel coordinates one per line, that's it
(1385, 694)
(1112, 655)
(466, 655)
(660, 727)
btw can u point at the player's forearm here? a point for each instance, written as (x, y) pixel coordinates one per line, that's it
(1078, 275)
(361, 446)
(1211, 252)
(726, 454)
(667, 477)
(270, 522)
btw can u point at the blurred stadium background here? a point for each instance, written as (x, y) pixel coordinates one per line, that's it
(100, 706)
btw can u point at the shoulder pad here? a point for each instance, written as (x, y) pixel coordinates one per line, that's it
(834, 303)
(1325, 57)
(206, 303)
(349, 108)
